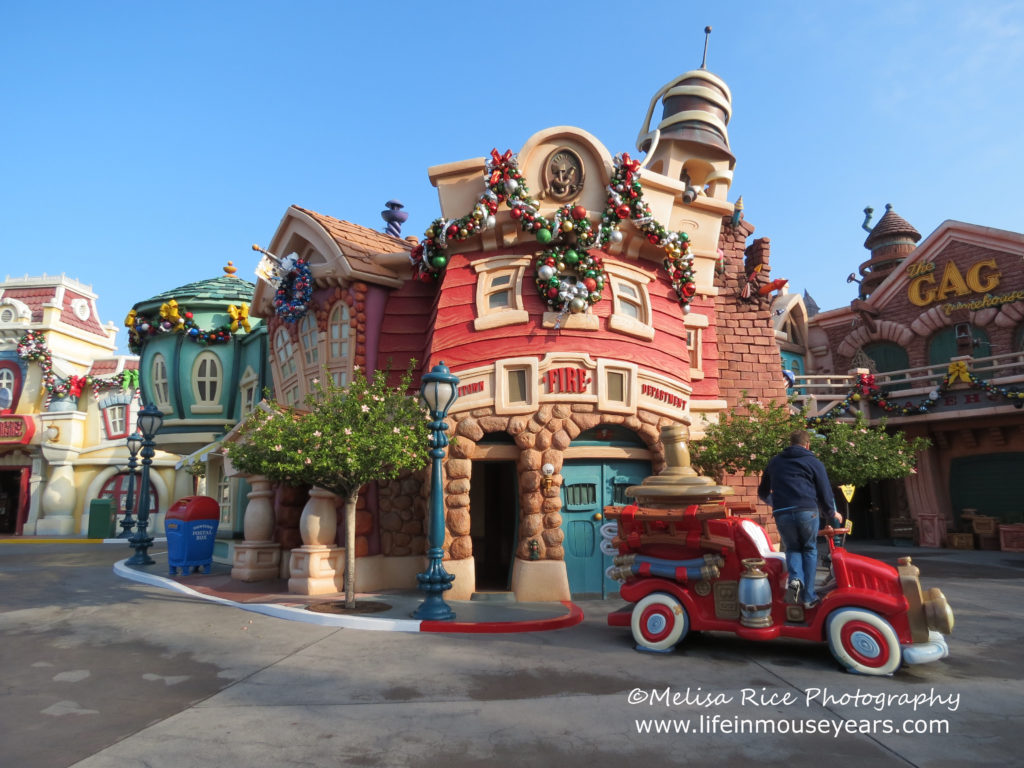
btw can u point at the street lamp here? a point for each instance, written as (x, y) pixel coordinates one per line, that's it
(149, 420)
(134, 444)
(438, 391)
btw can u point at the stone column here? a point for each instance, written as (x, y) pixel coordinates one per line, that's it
(318, 566)
(258, 557)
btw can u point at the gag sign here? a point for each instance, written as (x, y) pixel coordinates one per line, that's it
(981, 277)
(16, 429)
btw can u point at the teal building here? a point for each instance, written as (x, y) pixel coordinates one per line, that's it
(203, 364)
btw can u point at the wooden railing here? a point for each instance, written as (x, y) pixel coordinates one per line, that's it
(821, 393)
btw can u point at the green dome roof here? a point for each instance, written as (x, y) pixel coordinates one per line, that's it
(217, 290)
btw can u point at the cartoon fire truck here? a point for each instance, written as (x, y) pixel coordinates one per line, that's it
(697, 568)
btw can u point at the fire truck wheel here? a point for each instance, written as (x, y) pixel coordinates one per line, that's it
(659, 621)
(863, 642)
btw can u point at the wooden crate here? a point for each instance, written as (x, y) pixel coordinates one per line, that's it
(1011, 537)
(984, 525)
(960, 540)
(989, 542)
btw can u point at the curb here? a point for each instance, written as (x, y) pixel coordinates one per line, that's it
(573, 617)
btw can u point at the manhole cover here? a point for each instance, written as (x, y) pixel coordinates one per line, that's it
(362, 606)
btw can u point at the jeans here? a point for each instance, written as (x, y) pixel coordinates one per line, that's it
(799, 533)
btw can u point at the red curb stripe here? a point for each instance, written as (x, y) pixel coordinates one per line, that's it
(571, 619)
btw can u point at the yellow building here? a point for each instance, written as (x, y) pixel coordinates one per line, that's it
(67, 404)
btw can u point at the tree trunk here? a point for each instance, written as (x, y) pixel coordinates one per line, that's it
(350, 548)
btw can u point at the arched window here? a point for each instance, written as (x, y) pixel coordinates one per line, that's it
(339, 346)
(309, 337)
(285, 352)
(206, 379)
(957, 341)
(116, 489)
(887, 356)
(10, 383)
(160, 383)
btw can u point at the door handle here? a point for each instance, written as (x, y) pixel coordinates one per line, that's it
(598, 516)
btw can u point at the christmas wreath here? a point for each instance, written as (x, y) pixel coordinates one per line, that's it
(291, 302)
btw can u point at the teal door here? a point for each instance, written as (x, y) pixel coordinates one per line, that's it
(587, 488)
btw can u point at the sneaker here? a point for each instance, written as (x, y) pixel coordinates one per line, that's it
(793, 591)
(812, 603)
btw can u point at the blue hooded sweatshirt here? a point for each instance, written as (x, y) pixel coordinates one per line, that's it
(796, 479)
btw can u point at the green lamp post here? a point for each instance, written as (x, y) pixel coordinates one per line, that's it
(149, 421)
(134, 444)
(438, 391)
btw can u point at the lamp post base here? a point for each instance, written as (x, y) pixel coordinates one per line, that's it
(434, 583)
(141, 545)
(126, 528)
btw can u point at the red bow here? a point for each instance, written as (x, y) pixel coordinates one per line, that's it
(75, 385)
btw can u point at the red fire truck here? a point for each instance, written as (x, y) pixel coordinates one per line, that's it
(689, 569)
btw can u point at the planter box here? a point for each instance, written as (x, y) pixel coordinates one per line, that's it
(960, 540)
(1011, 537)
(983, 525)
(988, 542)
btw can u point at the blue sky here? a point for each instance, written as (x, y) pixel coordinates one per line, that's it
(144, 144)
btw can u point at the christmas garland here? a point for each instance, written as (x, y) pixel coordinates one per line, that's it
(173, 318)
(866, 389)
(569, 230)
(291, 302)
(32, 347)
(626, 201)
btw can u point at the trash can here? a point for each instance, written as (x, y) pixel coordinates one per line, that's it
(191, 528)
(101, 519)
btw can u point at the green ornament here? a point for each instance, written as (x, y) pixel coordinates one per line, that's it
(543, 236)
(590, 273)
(439, 261)
(571, 257)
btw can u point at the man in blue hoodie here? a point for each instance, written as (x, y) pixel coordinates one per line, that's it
(796, 484)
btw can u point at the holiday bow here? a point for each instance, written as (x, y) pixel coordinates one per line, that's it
(958, 372)
(75, 385)
(130, 320)
(129, 379)
(631, 166)
(867, 382)
(169, 312)
(499, 165)
(239, 317)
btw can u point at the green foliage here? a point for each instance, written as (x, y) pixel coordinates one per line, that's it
(742, 442)
(856, 454)
(349, 436)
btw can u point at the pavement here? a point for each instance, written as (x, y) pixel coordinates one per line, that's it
(392, 610)
(103, 671)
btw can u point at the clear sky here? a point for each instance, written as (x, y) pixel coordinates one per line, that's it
(144, 144)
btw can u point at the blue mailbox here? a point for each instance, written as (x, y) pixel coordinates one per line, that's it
(191, 526)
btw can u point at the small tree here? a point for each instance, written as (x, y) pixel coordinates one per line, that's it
(349, 436)
(853, 453)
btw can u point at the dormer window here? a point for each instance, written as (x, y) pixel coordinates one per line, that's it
(207, 381)
(499, 292)
(159, 383)
(631, 303)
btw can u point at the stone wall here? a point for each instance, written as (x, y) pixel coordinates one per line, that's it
(542, 438)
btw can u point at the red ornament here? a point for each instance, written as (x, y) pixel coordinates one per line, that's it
(591, 284)
(553, 293)
(579, 212)
(516, 213)
(622, 211)
(687, 290)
